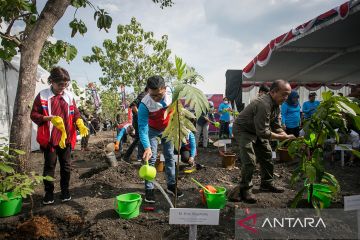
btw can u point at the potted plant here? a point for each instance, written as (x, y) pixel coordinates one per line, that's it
(14, 186)
(319, 187)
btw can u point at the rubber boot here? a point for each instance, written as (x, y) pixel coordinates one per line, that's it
(247, 196)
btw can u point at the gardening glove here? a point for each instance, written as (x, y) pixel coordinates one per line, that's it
(116, 148)
(84, 131)
(217, 124)
(62, 143)
(59, 124)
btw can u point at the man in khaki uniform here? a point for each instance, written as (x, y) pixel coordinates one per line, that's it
(255, 126)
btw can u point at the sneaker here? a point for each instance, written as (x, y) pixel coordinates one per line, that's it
(171, 190)
(127, 159)
(149, 196)
(65, 196)
(48, 199)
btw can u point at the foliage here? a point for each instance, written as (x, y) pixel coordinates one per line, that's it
(334, 112)
(185, 74)
(26, 12)
(21, 184)
(110, 104)
(180, 119)
(134, 56)
(51, 54)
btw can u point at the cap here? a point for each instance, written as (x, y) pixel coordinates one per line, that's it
(312, 94)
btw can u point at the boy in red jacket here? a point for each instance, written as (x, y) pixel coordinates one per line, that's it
(55, 113)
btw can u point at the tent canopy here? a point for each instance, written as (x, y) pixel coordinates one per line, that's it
(323, 50)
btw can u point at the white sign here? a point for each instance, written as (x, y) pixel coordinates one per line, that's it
(194, 216)
(343, 147)
(352, 203)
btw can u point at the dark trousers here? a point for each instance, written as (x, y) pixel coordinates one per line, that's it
(64, 156)
(224, 129)
(185, 155)
(295, 131)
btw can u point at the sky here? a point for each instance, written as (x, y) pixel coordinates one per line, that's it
(210, 35)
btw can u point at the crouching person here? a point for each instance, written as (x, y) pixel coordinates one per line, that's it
(152, 120)
(188, 150)
(55, 113)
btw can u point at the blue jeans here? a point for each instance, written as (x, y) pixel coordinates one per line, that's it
(168, 151)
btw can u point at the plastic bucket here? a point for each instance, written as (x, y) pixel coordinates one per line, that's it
(147, 172)
(216, 200)
(11, 207)
(128, 205)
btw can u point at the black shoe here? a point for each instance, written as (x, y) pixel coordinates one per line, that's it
(127, 159)
(171, 190)
(65, 196)
(270, 187)
(149, 196)
(48, 198)
(247, 196)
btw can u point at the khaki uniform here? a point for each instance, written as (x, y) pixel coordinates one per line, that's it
(252, 131)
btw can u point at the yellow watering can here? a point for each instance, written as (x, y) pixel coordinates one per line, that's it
(147, 172)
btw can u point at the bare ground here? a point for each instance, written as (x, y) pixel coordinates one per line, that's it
(90, 214)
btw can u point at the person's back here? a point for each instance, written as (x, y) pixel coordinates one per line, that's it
(309, 107)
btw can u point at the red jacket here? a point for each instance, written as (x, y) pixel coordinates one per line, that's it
(41, 108)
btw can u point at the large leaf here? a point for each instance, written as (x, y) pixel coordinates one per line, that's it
(195, 98)
(298, 197)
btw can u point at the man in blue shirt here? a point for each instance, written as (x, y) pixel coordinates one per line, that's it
(224, 111)
(309, 107)
(153, 119)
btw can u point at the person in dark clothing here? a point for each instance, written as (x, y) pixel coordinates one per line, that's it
(202, 125)
(134, 107)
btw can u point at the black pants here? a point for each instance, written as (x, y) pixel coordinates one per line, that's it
(295, 131)
(64, 156)
(185, 155)
(224, 129)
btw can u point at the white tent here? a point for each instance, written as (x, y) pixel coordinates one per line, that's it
(9, 77)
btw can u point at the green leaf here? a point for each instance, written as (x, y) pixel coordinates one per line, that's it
(310, 172)
(298, 197)
(6, 168)
(327, 95)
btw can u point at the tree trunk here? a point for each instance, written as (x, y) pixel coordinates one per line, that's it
(20, 134)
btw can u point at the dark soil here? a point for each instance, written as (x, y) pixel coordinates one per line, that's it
(90, 214)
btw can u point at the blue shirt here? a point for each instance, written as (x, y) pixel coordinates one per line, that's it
(309, 108)
(225, 115)
(121, 134)
(290, 115)
(191, 144)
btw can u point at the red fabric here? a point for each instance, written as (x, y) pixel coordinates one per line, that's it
(262, 58)
(40, 109)
(157, 120)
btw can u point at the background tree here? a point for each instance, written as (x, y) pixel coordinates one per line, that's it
(134, 56)
(52, 53)
(36, 30)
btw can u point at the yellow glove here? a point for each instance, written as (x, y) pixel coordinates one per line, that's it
(84, 131)
(62, 143)
(217, 124)
(117, 146)
(59, 124)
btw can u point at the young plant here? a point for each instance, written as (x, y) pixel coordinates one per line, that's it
(180, 123)
(20, 184)
(320, 187)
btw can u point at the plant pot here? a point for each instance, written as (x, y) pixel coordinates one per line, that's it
(12, 206)
(228, 159)
(284, 155)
